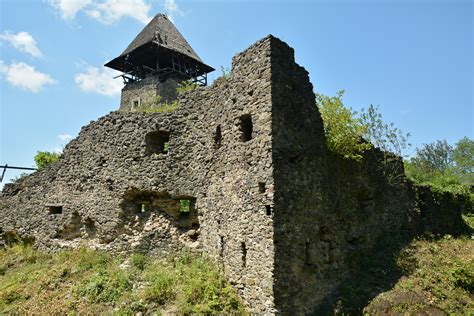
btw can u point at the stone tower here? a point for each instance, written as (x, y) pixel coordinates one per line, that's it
(155, 62)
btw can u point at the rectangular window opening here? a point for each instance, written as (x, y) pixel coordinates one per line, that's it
(245, 127)
(135, 104)
(157, 142)
(55, 209)
(261, 187)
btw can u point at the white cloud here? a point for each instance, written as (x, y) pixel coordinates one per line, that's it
(172, 9)
(105, 11)
(25, 76)
(110, 11)
(22, 41)
(69, 8)
(94, 80)
(64, 137)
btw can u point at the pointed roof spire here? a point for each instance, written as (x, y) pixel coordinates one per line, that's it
(155, 47)
(161, 31)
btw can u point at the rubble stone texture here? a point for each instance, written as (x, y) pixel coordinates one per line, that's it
(247, 158)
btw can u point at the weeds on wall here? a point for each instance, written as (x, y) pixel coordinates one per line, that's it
(186, 86)
(226, 73)
(157, 106)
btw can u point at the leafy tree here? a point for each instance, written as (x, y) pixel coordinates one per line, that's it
(434, 157)
(383, 135)
(344, 131)
(45, 158)
(445, 167)
(463, 156)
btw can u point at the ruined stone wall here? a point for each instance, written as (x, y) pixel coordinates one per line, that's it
(327, 209)
(119, 184)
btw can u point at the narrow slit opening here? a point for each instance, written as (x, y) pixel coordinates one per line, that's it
(268, 210)
(244, 254)
(261, 187)
(218, 136)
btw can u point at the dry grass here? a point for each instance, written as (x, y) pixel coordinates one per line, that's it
(90, 282)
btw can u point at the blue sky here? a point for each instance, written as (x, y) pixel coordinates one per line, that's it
(413, 58)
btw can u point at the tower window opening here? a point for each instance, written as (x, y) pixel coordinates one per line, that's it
(246, 127)
(157, 142)
(135, 104)
(218, 136)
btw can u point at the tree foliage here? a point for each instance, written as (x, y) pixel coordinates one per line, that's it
(443, 166)
(45, 158)
(344, 131)
(383, 135)
(436, 157)
(463, 156)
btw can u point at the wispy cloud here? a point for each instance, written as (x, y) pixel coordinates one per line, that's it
(68, 9)
(172, 9)
(25, 76)
(104, 11)
(95, 80)
(22, 41)
(64, 137)
(110, 11)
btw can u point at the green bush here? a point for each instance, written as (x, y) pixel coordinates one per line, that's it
(344, 131)
(444, 167)
(45, 158)
(106, 285)
(138, 261)
(161, 284)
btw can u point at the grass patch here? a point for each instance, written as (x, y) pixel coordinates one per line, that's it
(85, 281)
(157, 106)
(438, 276)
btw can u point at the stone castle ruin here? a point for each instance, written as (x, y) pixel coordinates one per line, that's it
(239, 171)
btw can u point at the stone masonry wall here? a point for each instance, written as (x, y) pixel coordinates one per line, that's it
(329, 211)
(144, 92)
(116, 188)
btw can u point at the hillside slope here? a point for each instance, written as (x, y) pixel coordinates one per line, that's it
(434, 277)
(94, 283)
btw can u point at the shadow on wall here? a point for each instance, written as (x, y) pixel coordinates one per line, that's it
(372, 273)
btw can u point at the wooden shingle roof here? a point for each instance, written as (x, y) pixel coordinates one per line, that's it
(162, 32)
